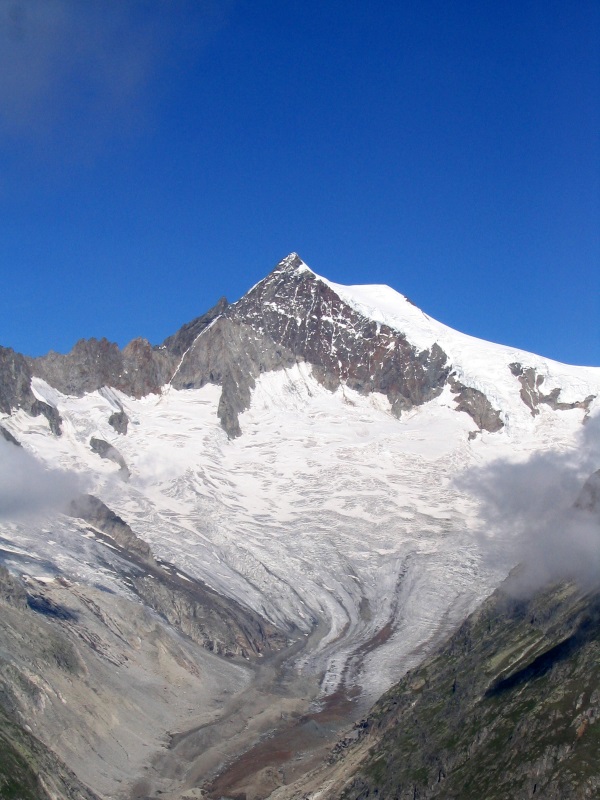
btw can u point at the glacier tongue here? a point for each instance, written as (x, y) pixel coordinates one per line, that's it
(291, 460)
(328, 508)
(336, 503)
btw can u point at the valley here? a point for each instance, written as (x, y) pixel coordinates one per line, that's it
(245, 536)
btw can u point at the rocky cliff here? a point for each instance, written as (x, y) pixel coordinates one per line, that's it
(291, 316)
(294, 316)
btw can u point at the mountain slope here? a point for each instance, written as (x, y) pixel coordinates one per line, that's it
(30, 771)
(508, 708)
(291, 459)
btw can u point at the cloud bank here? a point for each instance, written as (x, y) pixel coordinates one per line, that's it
(531, 513)
(27, 488)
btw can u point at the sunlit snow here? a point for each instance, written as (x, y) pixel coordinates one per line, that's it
(326, 508)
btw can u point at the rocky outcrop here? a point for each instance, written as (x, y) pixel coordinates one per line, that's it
(96, 513)
(15, 390)
(209, 619)
(477, 406)
(119, 421)
(532, 395)
(107, 451)
(293, 316)
(137, 370)
(38, 407)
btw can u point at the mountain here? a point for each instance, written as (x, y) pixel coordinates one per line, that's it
(263, 512)
(506, 708)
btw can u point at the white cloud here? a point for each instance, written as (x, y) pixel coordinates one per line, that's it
(530, 508)
(28, 488)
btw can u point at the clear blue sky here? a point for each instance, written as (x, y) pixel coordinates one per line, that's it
(157, 154)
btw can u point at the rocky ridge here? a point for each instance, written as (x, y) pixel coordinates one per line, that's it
(293, 316)
(289, 317)
(327, 516)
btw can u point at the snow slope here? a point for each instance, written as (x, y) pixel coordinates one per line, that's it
(327, 509)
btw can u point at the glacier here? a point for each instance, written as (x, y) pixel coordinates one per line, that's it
(329, 512)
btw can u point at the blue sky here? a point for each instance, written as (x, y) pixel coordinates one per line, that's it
(157, 154)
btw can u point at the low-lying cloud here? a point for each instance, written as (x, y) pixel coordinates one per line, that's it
(530, 514)
(27, 488)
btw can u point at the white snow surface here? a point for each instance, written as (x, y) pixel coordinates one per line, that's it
(326, 508)
(479, 364)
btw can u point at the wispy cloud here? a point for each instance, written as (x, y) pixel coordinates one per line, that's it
(93, 61)
(28, 488)
(529, 515)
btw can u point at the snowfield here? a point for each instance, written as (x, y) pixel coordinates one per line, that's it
(327, 508)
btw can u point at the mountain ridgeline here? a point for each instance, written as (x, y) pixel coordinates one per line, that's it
(291, 316)
(219, 552)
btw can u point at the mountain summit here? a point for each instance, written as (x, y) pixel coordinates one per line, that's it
(368, 338)
(274, 485)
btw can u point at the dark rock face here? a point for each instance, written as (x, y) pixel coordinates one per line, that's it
(119, 421)
(94, 511)
(185, 336)
(106, 450)
(477, 406)
(292, 316)
(232, 355)
(15, 382)
(54, 419)
(300, 312)
(15, 390)
(137, 370)
(532, 395)
(90, 365)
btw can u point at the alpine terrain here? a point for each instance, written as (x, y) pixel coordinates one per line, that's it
(220, 552)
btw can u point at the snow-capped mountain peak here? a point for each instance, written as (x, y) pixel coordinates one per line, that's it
(294, 454)
(281, 471)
